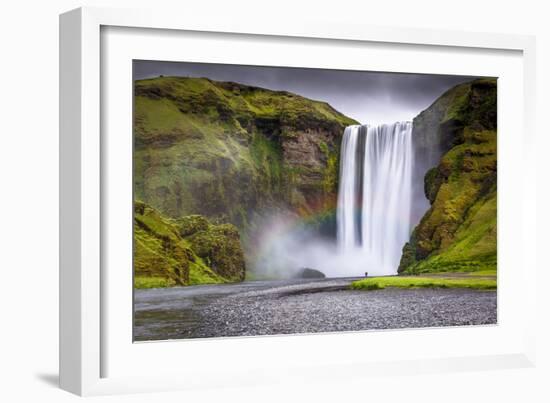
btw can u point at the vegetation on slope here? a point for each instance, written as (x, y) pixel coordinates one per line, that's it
(458, 232)
(224, 150)
(379, 283)
(186, 251)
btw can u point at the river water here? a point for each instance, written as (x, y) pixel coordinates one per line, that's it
(301, 306)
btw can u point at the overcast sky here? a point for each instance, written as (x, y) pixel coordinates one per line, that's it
(368, 97)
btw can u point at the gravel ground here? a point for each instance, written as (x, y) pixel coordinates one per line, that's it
(299, 306)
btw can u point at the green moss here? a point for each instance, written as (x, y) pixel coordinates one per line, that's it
(188, 225)
(456, 108)
(267, 158)
(166, 252)
(200, 273)
(153, 282)
(458, 232)
(331, 171)
(221, 250)
(330, 176)
(474, 244)
(378, 283)
(324, 148)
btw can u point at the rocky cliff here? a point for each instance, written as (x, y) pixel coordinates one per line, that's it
(209, 158)
(225, 150)
(455, 145)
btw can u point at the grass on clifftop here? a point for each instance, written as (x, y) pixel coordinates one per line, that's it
(379, 283)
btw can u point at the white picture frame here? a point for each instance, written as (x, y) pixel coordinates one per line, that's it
(86, 311)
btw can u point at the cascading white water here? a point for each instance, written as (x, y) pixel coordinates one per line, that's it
(375, 196)
(347, 194)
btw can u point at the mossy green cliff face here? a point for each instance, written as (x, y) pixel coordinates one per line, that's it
(189, 250)
(458, 232)
(226, 150)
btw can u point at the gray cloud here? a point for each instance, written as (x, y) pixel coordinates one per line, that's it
(369, 97)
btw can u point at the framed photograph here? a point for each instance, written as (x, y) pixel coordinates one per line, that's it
(237, 197)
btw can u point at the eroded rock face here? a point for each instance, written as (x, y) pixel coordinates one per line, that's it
(311, 159)
(458, 230)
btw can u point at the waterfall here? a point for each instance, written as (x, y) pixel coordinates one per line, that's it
(348, 208)
(375, 196)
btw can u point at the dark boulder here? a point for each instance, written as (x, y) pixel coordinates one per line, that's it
(306, 272)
